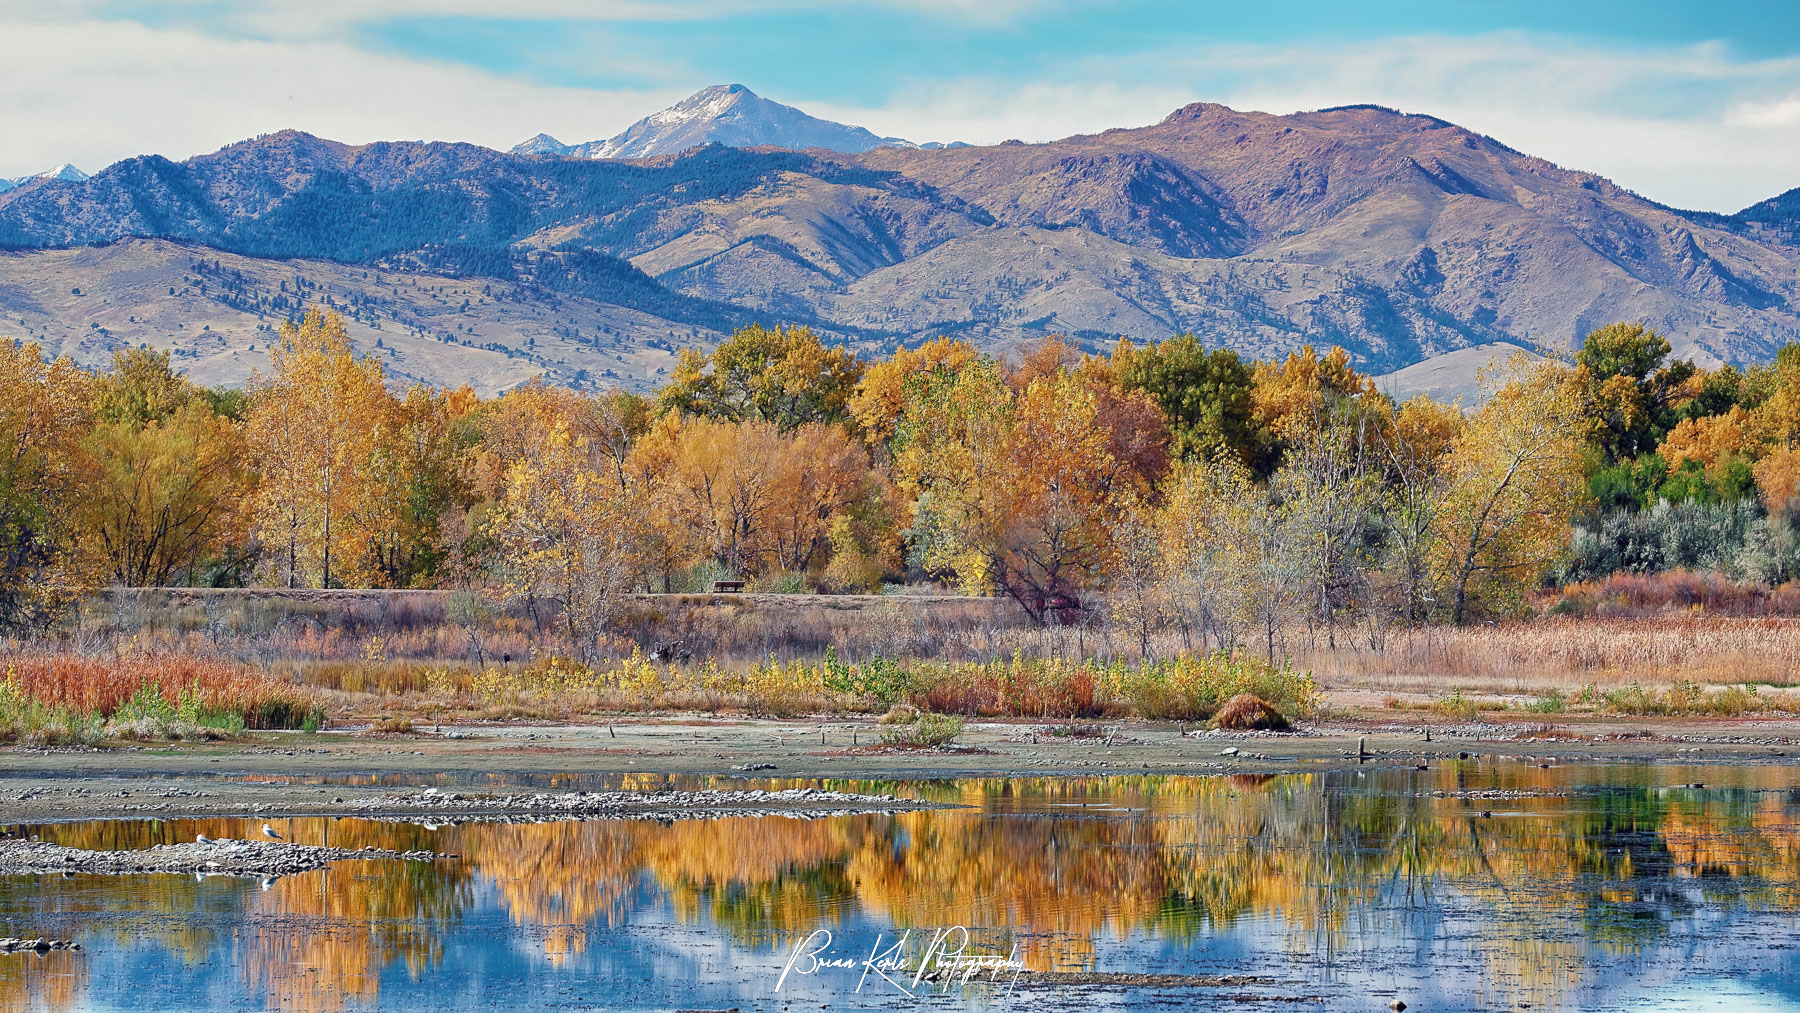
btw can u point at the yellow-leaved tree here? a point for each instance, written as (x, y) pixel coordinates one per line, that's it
(568, 534)
(44, 408)
(313, 429)
(165, 481)
(1517, 481)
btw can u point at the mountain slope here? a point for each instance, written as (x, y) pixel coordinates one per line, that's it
(1484, 238)
(218, 312)
(1398, 236)
(728, 114)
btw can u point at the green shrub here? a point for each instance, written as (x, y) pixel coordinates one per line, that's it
(879, 680)
(924, 731)
(1455, 705)
(1551, 703)
(1191, 687)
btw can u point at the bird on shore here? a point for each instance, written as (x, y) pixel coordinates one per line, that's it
(269, 832)
(202, 839)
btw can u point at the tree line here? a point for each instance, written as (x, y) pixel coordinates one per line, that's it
(1183, 487)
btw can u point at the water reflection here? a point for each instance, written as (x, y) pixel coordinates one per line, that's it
(1590, 883)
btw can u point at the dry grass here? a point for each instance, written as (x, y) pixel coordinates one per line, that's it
(103, 686)
(1632, 595)
(1247, 712)
(1566, 654)
(53, 698)
(374, 653)
(1186, 687)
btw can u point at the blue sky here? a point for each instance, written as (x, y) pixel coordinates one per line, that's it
(1696, 104)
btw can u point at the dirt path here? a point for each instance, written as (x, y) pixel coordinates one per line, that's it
(289, 773)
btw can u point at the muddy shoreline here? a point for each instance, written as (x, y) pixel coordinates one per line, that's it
(336, 773)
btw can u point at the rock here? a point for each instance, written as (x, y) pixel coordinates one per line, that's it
(1229, 751)
(36, 945)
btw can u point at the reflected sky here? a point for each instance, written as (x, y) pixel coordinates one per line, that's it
(1468, 886)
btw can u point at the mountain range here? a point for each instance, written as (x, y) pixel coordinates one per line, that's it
(1399, 236)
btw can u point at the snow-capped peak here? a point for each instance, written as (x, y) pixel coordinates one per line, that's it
(64, 173)
(728, 114)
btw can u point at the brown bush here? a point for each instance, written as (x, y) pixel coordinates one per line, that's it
(1246, 712)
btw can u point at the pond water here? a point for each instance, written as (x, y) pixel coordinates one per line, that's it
(1611, 887)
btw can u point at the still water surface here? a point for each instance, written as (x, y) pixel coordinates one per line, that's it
(1613, 887)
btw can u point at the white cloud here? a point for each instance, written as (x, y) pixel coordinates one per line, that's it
(988, 112)
(1692, 125)
(312, 19)
(94, 92)
(1779, 113)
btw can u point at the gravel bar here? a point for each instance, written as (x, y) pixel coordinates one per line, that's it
(236, 858)
(634, 804)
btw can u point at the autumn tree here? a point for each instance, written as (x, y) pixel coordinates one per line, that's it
(1230, 568)
(882, 396)
(165, 484)
(1419, 478)
(567, 534)
(949, 454)
(1205, 395)
(1331, 492)
(44, 409)
(749, 497)
(1301, 394)
(420, 478)
(1517, 477)
(1014, 490)
(1633, 392)
(313, 428)
(782, 375)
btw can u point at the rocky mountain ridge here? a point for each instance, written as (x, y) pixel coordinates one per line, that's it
(1397, 236)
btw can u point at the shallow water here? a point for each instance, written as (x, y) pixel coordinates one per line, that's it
(1615, 887)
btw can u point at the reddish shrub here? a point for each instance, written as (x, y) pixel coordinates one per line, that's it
(1245, 713)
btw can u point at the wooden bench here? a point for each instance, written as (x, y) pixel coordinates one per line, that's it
(731, 586)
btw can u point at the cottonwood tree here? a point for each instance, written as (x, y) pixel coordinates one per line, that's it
(1044, 527)
(782, 375)
(1419, 478)
(747, 496)
(44, 408)
(1207, 522)
(949, 457)
(313, 428)
(420, 475)
(1136, 601)
(567, 534)
(1518, 481)
(881, 399)
(164, 480)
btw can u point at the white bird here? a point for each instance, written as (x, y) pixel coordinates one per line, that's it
(267, 882)
(269, 832)
(202, 839)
